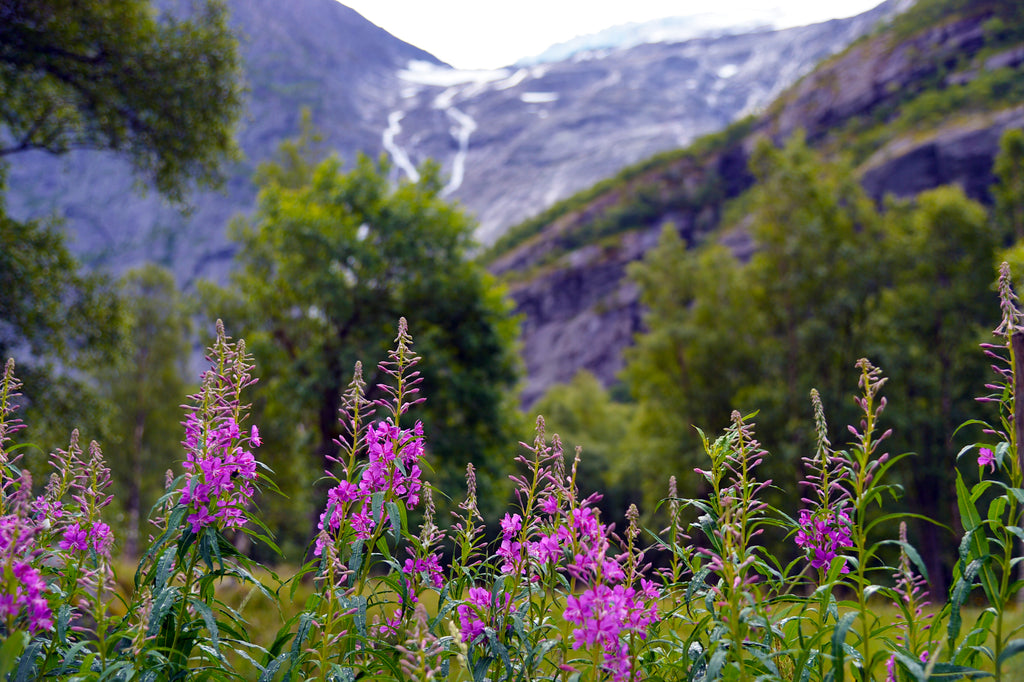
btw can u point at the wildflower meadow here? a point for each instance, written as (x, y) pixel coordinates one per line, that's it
(556, 594)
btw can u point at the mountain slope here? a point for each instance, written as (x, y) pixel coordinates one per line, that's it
(542, 132)
(513, 141)
(919, 104)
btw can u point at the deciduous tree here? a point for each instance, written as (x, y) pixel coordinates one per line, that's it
(325, 268)
(112, 74)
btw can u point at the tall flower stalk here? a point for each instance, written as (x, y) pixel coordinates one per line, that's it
(990, 543)
(207, 505)
(734, 516)
(865, 470)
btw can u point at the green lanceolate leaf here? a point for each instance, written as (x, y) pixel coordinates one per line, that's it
(976, 544)
(1013, 647)
(838, 646)
(11, 651)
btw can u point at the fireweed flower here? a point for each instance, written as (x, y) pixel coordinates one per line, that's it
(393, 469)
(825, 529)
(606, 615)
(98, 538)
(220, 469)
(987, 458)
(422, 560)
(912, 590)
(220, 474)
(823, 536)
(607, 612)
(75, 537)
(510, 549)
(27, 596)
(478, 613)
(431, 566)
(23, 590)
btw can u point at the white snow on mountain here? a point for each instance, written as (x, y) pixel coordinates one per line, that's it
(425, 73)
(670, 30)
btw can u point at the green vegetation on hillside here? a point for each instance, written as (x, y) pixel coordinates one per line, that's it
(928, 13)
(639, 194)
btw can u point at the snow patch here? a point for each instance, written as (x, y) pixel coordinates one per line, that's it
(538, 97)
(401, 159)
(426, 73)
(465, 127)
(728, 71)
(518, 77)
(445, 99)
(678, 29)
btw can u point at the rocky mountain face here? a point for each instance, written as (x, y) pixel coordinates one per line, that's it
(517, 140)
(581, 311)
(513, 141)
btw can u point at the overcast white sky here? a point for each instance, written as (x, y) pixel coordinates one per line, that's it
(480, 34)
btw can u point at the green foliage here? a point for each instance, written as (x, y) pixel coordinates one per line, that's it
(110, 75)
(62, 320)
(696, 305)
(162, 92)
(831, 278)
(1009, 189)
(925, 329)
(928, 107)
(927, 13)
(324, 268)
(791, 314)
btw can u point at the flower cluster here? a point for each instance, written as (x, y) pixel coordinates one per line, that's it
(24, 590)
(220, 472)
(826, 528)
(605, 614)
(474, 615)
(27, 595)
(823, 535)
(608, 611)
(393, 469)
(431, 565)
(81, 538)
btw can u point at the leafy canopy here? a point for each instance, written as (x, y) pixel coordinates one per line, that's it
(109, 74)
(831, 279)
